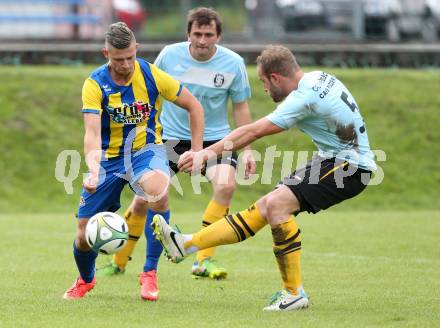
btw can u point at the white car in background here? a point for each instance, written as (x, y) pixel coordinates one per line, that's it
(391, 20)
(406, 19)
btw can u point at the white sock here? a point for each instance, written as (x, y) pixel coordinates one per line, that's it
(192, 249)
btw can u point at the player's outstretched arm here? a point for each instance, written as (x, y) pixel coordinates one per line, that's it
(196, 117)
(237, 139)
(242, 116)
(92, 150)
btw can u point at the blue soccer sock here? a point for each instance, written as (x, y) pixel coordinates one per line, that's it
(154, 248)
(85, 261)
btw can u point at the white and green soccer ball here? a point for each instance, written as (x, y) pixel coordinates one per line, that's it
(106, 232)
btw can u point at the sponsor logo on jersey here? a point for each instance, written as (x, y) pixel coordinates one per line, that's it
(219, 80)
(134, 113)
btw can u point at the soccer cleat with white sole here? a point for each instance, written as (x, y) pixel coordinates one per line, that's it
(286, 301)
(171, 240)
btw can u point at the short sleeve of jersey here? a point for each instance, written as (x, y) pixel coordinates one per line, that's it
(168, 87)
(159, 62)
(91, 97)
(289, 112)
(240, 89)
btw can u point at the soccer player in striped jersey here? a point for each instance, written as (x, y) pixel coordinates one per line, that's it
(122, 104)
(214, 74)
(323, 108)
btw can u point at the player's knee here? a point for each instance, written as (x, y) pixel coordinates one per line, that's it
(271, 209)
(262, 205)
(155, 192)
(154, 185)
(154, 196)
(140, 206)
(160, 204)
(226, 190)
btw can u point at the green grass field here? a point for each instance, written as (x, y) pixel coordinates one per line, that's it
(361, 269)
(373, 261)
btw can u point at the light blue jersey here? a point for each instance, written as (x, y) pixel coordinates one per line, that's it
(212, 82)
(323, 108)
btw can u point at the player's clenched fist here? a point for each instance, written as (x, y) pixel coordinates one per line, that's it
(186, 161)
(192, 161)
(90, 183)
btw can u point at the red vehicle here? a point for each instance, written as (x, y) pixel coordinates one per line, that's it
(130, 12)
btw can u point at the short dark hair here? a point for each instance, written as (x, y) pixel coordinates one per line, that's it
(277, 59)
(204, 16)
(119, 36)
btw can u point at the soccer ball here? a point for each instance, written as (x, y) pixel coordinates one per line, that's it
(106, 232)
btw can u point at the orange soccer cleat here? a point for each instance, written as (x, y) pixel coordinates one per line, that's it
(149, 289)
(79, 289)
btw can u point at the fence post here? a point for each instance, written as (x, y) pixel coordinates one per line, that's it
(75, 25)
(358, 20)
(185, 6)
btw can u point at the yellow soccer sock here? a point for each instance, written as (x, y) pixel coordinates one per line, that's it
(229, 230)
(214, 212)
(136, 225)
(287, 250)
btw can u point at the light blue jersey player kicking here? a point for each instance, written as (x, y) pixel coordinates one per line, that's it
(215, 75)
(323, 108)
(123, 139)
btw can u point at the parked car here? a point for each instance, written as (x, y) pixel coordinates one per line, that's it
(300, 15)
(392, 20)
(130, 12)
(432, 15)
(404, 19)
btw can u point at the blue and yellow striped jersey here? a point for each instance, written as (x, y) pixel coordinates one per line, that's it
(125, 107)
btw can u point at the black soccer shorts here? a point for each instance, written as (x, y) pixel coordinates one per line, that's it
(325, 182)
(175, 148)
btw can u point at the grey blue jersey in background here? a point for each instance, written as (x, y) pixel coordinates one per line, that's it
(323, 108)
(212, 82)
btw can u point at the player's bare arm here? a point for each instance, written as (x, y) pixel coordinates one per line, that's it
(242, 117)
(196, 117)
(92, 150)
(237, 139)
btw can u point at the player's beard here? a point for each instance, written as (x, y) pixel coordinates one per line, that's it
(277, 94)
